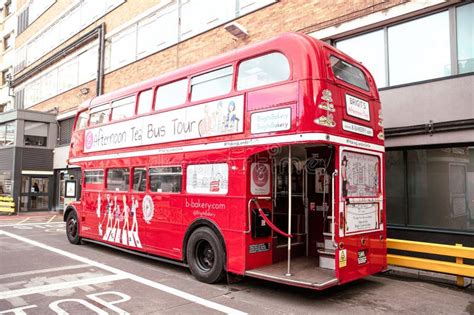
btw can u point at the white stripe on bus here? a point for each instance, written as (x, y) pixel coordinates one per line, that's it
(304, 137)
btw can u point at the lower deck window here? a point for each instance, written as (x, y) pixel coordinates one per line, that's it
(165, 179)
(118, 179)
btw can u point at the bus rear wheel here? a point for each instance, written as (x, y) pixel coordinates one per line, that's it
(206, 257)
(72, 228)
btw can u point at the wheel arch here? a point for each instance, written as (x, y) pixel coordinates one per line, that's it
(201, 222)
(68, 210)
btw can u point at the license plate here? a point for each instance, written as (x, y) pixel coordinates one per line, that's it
(362, 257)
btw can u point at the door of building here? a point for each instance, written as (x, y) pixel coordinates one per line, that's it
(35, 192)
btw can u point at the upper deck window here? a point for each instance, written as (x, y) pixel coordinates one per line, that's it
(171, 94)
(99, 115)
(263, 70)
(214, 83)
(145, 102)
(82, 120)
(348, 73)
(123, 108)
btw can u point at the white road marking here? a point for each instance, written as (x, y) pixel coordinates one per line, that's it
(35, 272)
(24, 220)
(60, 286)
(54, 216)
(30, 224)
(18, 310)
(121, 273)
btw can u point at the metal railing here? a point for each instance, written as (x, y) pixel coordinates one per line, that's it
(458, 268)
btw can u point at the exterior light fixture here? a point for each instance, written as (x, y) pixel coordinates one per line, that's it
(236, 30)
(84, 91)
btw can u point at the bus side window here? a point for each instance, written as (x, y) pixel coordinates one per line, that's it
(118, 179)
(93, 178)
(172, 94)
(263, 70)
(165, 179)
(82, 120)
(123, 108)
(214, 83)
(145, 101)
(139, 179)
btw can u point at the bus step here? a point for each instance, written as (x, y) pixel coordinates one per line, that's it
(327, 252)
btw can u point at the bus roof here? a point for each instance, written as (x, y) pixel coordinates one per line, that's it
(293, 45)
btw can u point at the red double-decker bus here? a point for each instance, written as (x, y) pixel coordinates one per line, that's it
(265, 162)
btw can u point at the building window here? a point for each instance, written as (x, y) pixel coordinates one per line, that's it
(5, 183)
(7, 134)
(214, 83)
(370, 50)
(416, 53)
(4, 76)
(465, 42)
(3, 108)
(7, 41)
(148, 40)
(65, 131)
(118, 179)
(123, 48)
(36, 133)
(7, 9)
(172, 94)
(432, 188)
(263, 70)
(165, 179)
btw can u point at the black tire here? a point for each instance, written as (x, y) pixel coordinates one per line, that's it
(72, 228)
(206, 256)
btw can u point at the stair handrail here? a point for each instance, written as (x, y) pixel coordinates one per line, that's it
(333, 203)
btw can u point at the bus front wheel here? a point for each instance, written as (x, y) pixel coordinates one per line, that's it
(206, 257)
(72, 228)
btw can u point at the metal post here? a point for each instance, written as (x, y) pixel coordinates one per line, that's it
(288, 273)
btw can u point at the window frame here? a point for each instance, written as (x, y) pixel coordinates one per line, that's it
(208, 71)
(165, 166)
(239, 63)
(97, 109)
(368, 79)
(132, 176)
(112, 107)
(106, 179)
(93, 186)
(186, 99)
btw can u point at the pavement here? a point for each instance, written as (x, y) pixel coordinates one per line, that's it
(42, 273)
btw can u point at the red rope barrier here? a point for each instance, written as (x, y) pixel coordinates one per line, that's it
(271, 225)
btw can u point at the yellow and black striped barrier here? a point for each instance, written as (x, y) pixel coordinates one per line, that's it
(458, 268)
(7, 204)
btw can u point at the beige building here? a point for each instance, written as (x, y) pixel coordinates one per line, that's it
(421, 53)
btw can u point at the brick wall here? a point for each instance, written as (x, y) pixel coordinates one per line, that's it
(284, 16)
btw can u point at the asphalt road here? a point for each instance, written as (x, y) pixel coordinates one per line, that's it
(41, 273)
